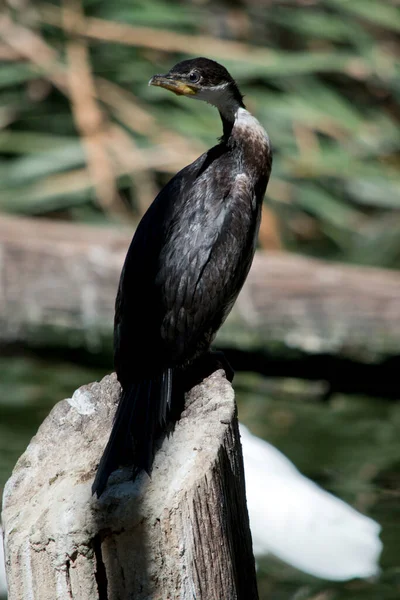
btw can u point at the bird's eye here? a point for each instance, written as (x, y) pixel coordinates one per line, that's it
(194, 76)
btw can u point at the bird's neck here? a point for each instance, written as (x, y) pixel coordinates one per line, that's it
(228, 99)
(240, 128)
(246, 136)
(227, 126)
(229, 105)
(241, 131)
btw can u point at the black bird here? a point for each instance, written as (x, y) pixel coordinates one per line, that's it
(185, 267)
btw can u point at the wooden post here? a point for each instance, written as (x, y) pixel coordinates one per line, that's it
(181, 534)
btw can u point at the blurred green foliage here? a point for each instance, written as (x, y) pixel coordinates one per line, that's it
(83, 137)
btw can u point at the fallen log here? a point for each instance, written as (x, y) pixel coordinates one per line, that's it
(180, 535)
(58, 283)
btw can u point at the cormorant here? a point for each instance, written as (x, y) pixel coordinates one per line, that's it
(185, 267)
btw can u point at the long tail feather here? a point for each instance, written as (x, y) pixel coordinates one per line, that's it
(142, 412)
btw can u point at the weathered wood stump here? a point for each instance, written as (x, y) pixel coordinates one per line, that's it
(181, 534)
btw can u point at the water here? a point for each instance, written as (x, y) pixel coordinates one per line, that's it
(349, 445)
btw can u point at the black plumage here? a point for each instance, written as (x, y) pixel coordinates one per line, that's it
(185, 266)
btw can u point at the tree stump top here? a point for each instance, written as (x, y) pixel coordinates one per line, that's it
(183, 531)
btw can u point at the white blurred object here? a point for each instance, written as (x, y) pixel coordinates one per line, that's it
(297, 521)
(3, 583)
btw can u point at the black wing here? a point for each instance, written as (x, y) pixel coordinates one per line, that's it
(186, 264)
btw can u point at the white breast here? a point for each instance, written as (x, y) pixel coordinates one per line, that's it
(247, 125)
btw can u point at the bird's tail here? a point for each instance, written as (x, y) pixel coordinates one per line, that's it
(142, 413)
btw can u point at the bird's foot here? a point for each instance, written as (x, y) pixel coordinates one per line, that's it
(204, 366)
(221, 362)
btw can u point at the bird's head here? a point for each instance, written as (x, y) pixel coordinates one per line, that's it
(202, 79)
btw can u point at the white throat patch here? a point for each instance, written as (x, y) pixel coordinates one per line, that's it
(221, 97)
